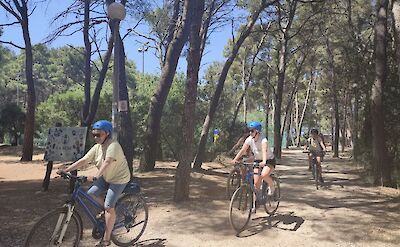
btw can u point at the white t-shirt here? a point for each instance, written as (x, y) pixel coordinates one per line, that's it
(256, 147)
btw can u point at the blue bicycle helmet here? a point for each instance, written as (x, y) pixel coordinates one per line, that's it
(103, 125)
(254, 125)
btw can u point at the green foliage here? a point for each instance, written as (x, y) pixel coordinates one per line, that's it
(12, 121)
(172, 113)
(66, 108)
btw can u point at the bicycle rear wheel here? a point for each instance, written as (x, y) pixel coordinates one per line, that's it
(240, 208)
(234, 181)
(272, 202)
(131, 220)
(46, 232)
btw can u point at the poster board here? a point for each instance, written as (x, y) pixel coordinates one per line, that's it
(65, 143)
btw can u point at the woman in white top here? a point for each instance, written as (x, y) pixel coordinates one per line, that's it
(262, 154)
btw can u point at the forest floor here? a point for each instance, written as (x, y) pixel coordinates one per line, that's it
(346, 211)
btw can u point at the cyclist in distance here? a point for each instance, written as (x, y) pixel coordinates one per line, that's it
(112, 175)
(317, 148)
(263, 155)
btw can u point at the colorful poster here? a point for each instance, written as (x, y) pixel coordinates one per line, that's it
(65, 144)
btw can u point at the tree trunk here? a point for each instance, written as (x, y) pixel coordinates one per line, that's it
(182, 178)
(220, 86)
(278, 97)
(266, 96)
(148, 158)
(379, 153)
(288, 109)
(27, 150)
(331, 76)
(88, 69)
(125, 136)
(396, 23)
(303, 113)
(99, 85)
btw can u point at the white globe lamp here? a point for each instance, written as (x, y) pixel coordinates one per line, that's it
(116, 11)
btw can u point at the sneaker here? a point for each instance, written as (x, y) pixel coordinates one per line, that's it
(321, 180)
(271, 191)
(253, 210)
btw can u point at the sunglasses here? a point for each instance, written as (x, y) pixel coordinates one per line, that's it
(252, 130)
(96, 135)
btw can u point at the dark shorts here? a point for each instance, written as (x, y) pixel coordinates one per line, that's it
(317, 153)
(271, 163)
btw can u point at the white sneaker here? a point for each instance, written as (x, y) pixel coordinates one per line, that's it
(271, 191)
(253, 210)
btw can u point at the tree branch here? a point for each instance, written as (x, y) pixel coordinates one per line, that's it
(11, 43)
(11, 11)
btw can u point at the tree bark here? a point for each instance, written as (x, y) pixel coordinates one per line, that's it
(282, 59)
(125, 136)
(396, 23)
(278, 97)
(334, 92)
(88, 69)
(266, 97)
(148, 158)
(27, 150)
(379, 153)
(220, 85)
(182, 178)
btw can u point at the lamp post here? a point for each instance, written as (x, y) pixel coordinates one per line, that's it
(143, 49)
(116, 12)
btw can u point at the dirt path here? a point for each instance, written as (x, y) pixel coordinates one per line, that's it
(345, 212)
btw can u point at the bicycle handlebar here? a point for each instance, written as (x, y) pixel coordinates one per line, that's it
(254, 164)
(67, 175)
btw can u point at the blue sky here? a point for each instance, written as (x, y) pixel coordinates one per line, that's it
(40, 27)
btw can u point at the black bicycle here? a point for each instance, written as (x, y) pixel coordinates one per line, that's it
(242, 201)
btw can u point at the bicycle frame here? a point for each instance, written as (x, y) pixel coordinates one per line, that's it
(249, 178)
(78, 195)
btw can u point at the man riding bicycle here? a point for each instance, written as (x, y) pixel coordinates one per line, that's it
(263, 155)
(317, 149)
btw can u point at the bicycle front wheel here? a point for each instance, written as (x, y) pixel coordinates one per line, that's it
(131, 220)
(47, 231)
(234, 181)
(240, 208)
(272, 202)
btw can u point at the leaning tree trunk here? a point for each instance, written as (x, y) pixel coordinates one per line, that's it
(382, 170)
(99, 85)
(182, 178)
(300, 119)
(220, 86)
(246, 79)
(148, 159)
(27, 150)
